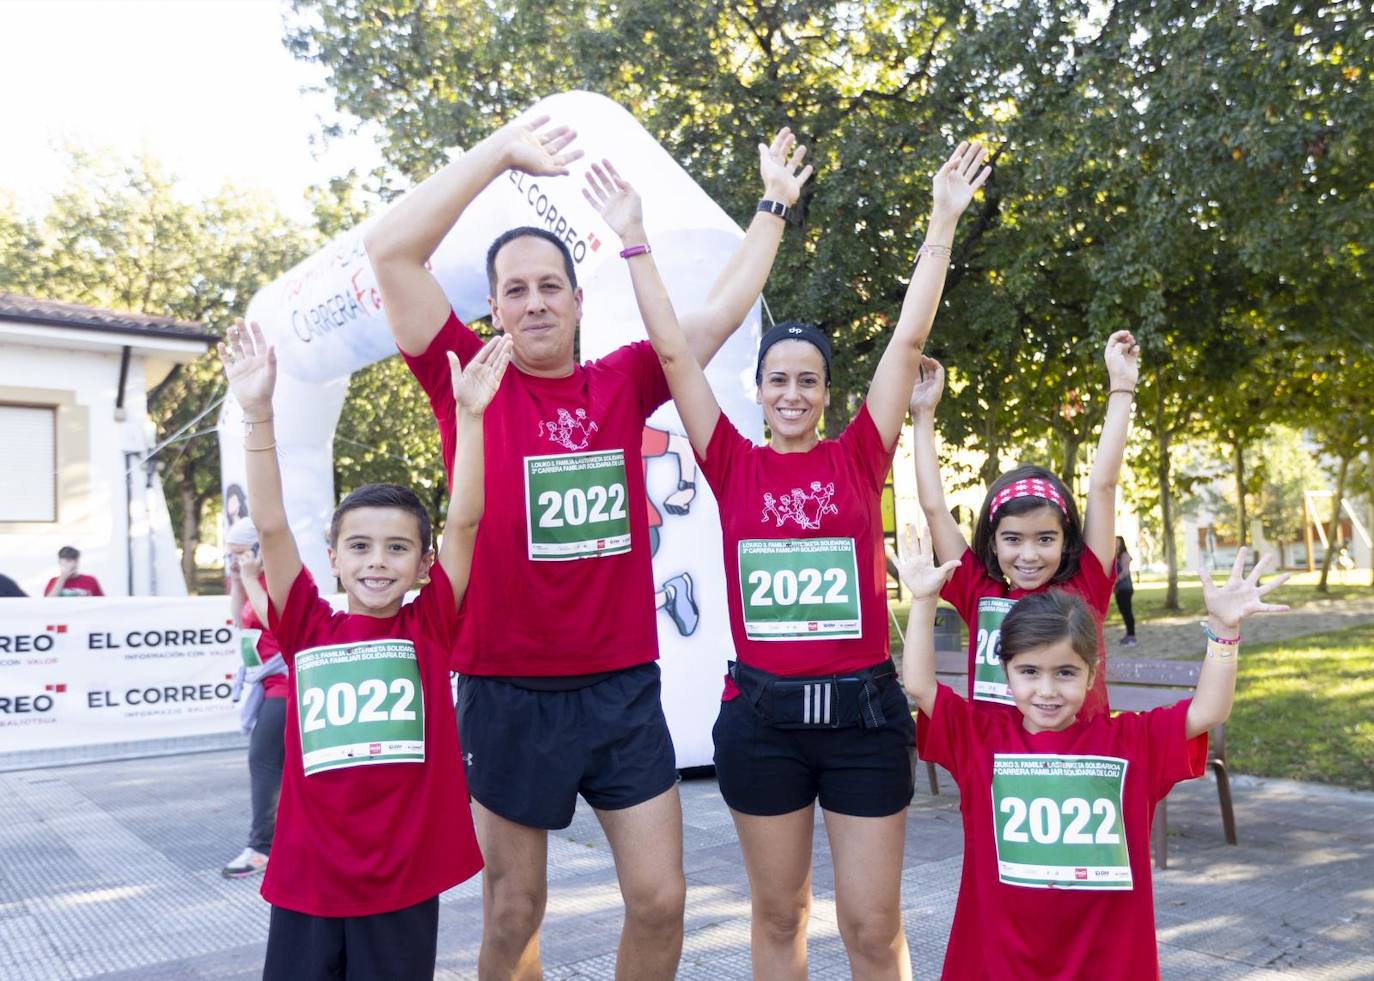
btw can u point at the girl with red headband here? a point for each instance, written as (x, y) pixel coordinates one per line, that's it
(1028, 537)
(812, 708)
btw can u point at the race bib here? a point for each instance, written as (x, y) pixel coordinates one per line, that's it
(248, 647)
(360, 704)
(1058, 821)
(799, 588)
(989, 679)
(576, 505)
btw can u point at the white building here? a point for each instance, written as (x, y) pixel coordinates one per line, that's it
(74, 429)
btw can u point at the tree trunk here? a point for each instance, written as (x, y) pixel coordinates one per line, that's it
(1334, 532)
(1163, 474)
(190, 534)
(992, 463)
(1241, 516)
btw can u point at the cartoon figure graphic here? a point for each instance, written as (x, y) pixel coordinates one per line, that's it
(675, 596)
(572, 431)
(806, 509)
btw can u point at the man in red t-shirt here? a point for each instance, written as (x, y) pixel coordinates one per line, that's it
(69, 581)
(559, 626)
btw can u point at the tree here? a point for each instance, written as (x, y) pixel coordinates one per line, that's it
(120, 235)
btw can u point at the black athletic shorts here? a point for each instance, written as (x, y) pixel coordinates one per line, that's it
(861, 772)
(398, 946)
(529, 753)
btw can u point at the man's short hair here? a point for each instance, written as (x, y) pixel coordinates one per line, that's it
(67, 552)
(529, 231)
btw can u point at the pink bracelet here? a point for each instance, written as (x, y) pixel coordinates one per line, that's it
(635, 250)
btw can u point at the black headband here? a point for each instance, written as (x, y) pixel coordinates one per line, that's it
(793, 331)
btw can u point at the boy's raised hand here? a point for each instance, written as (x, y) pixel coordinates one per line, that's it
(917, 565)
(1123, 360)
(475, 386)
(778, 163)
(250, 364)
(960, 178)
(615, 200)
(930, 385)
(1241, 596)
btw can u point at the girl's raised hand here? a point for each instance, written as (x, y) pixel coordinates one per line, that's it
(1241, 595)
(917, 565)
(475, 386)
(930, 385)
(250, 364)
(250, 565)
(1123, 360)
(959, 179)
(615, 200)
(778, 164)
(540, 153)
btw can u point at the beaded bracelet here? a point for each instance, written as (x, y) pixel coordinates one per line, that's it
(1220, 640)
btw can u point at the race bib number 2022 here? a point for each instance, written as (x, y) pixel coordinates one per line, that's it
(576, 505)
(360, 704)
(1058, 821)
(799, 588)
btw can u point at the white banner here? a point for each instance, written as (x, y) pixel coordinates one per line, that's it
(81, 672)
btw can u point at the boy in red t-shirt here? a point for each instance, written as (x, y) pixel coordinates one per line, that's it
(374, 820)
(69, 581)
(1057, 809)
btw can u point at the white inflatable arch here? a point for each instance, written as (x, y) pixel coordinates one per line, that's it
(325, 319)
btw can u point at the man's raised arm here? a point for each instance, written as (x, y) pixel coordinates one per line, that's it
(403, 240)
(743, 278)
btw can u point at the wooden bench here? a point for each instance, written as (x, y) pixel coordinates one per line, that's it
(1135, 685)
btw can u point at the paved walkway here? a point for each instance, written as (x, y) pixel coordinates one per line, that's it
(111, 870)
(1181, 637)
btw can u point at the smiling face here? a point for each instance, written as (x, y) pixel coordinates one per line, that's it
(377, 558)
(536, 306)
(1048, 684)
(793, 394)
(1030, 546)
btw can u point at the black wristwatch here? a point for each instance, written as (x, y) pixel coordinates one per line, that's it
(776, 208)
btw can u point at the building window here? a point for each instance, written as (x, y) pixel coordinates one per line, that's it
(28, 447)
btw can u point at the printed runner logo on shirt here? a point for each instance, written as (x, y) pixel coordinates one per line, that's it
(572, 430)
(799, 588)
(804, 508)
(575, 505)
(360, 704)
(248, 647)
(1058, 823)
(989, 679)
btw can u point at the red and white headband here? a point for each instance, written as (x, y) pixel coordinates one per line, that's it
(1034, 487)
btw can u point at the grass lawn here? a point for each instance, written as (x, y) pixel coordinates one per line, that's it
(1305, 709)
(1299, 591)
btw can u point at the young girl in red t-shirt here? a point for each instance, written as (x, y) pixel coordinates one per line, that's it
(1052, 800)
(1028, 537)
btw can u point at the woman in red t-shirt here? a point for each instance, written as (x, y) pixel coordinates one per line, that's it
(1028, 537)
(811, 707)
(1057, 807)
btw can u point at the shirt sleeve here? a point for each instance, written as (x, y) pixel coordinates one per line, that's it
(940, 735)
(641, 364)
(864, 445)
(437, 612)
(963, 588)
(720, 455)
(1095, 583)
(304, 620)
(1160, 737)
(95, 587)
(432, 372)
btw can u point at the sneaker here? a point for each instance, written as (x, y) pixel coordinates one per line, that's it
(1128, 640)
(248, 862)
(681, 604)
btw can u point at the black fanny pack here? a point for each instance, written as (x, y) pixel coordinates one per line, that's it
(835, 701)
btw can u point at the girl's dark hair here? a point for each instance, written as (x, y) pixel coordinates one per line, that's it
(985, 531)
(382, 496)
(1121, 547)
(1047, 618)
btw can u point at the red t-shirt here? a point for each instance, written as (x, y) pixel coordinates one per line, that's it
(562, 582)
(80, 585)
(807, 531)
(275, 685)
(362, 839)
(1005, 930)
(983, 602)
